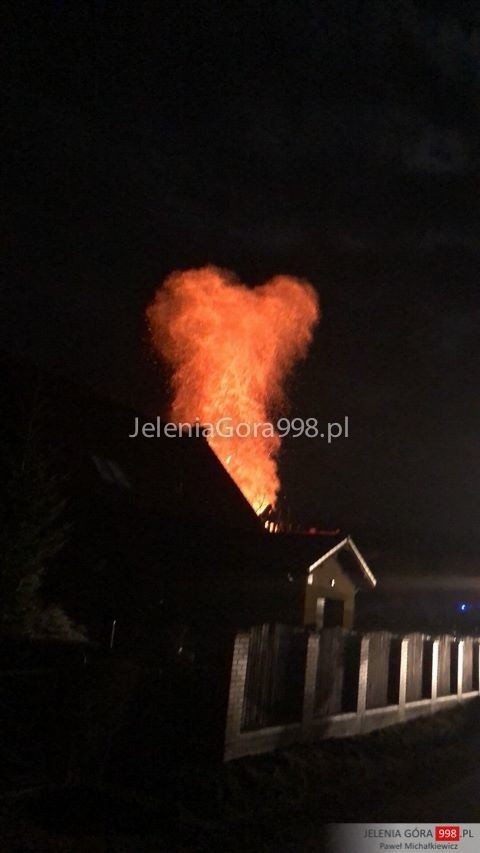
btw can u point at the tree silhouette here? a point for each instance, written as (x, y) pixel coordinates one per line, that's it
(33, 522)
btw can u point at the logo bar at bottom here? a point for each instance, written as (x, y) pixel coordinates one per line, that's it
(381, 837)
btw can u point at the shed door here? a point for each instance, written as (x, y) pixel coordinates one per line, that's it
(333, 613)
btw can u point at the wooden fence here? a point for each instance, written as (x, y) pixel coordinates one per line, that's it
(274, 679)
(288, 685)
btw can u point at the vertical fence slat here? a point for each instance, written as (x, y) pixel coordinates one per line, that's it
(434, 691)
(460, 650)
(467, 685)
(311, 667)
(330, 672)
(379, 669)
(363, 676)
(236, 694)
(477, 647)
(418, 660)
(445, 660)
(402, 689)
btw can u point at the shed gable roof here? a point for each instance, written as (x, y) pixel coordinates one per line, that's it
(348, 544)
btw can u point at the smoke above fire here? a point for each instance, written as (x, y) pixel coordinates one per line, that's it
(230, 349)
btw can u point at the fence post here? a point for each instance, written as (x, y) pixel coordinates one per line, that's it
(363, 676)
(461, 646)
(236, 692)
(478, 665)
(402, 689)
(435, 647)
(311, 666)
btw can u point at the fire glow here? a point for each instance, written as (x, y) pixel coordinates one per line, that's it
(230, 349)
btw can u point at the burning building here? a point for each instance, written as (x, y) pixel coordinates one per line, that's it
(170, 535)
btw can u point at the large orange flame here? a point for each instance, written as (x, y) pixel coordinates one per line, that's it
(230, 348)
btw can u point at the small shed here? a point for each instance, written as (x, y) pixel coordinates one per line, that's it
(333, 580)
(305, 578)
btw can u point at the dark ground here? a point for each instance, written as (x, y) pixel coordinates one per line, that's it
(425, 771)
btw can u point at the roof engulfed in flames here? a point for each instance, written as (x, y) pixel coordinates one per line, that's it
(230, 348)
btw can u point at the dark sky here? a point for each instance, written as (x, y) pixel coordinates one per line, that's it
(337, 141)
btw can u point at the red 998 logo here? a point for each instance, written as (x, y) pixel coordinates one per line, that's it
(447, 833)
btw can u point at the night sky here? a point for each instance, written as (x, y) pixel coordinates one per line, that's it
(338, 141)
